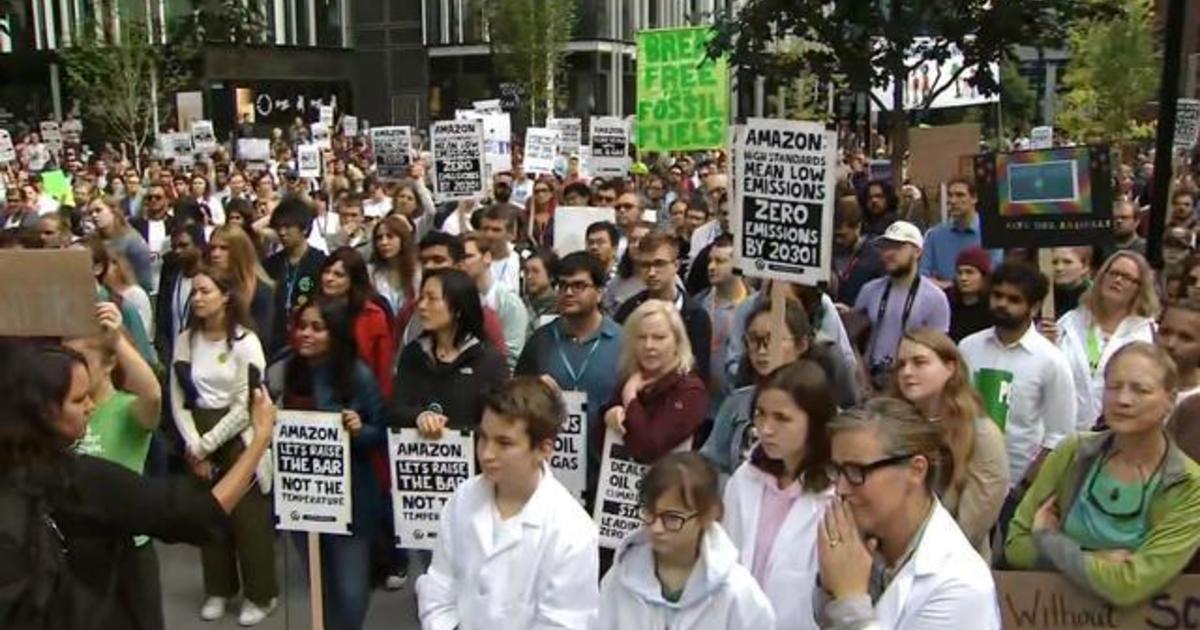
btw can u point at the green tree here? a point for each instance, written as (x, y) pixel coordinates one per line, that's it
(1018, 101)
(529, 44)
(1112, 75)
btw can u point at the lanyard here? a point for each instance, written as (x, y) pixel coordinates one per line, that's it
(844, 274)
(182, 304)
(292, 274)
(562, 356)
(1094, 348)
(877, 325)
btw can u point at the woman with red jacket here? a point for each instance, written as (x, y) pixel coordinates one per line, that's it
(662, 402)
(344, 276)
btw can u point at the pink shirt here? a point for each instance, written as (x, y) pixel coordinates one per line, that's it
(772, 511)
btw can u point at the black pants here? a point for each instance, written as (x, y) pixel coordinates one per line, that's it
(140, 588)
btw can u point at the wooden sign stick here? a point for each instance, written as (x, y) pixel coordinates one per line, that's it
(314, 581)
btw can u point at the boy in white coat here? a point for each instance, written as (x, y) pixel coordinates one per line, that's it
(514, 549)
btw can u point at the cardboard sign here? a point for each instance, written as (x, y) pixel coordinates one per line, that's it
(350, 126)
(569, 461)
(783, 221)
(1187, 123)
(325, 116)
(321, 135)
(1030, 599)
(393, 150)
(541, 149)
(72, 131)
(935, 152)
(254, 150)
(571, 224)
(52, 135)
(1048, 198)
(572, 133)
(682, 95)
(204, 139)
(62, 301)
(425, 474)
(617, 511)
(1041, 137)
(308, 160)
(457, 159)
(610, 147)
(8, 152)
(312, 473)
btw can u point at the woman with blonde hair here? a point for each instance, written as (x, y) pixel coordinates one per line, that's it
(931, 374)
(119, 278)
(231, 251)
(1119, 308)
(662, 401)
(111, 225)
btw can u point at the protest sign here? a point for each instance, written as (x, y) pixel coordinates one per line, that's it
(617, 511)
(936, 151)
(425, 474)
(1041, 137)
(254, 150)
(308, 160)
(393, 150)
(569, 461)
(1187, 123)
(179, 148)
(682, 95)
(490, 106)
(783, 219)
(497, 142)
(510, 96)
(1047, 198)
(457, 159)
(350, 126)
(72, 131)
(572, 133)
(1030, 599)
(52, 135)
(321, 136)
(56, 185)
(312, 473)
(8, 153)
(61, 303)
(541, 149)
(325, 116)
(610, 147)
(203, 137)
(879, 170)
(571, 224)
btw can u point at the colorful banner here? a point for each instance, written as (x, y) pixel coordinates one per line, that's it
(683, 97)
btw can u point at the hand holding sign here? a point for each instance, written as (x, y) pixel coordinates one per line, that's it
(352, 421)
(109, 318)
(614, 419)
(262, 412)
(430, 425)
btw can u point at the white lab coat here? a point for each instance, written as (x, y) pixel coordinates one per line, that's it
(720, 594)
(544, 578)
(944, 586)
(1089, 384)
(793, 566)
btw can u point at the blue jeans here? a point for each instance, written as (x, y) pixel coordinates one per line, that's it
(345, 577)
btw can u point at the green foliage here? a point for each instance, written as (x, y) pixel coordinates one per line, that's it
(1113, 73)
(529, 41)
(1018, 101)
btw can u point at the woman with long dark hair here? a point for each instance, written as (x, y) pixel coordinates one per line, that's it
(344, 278)
(394, 262)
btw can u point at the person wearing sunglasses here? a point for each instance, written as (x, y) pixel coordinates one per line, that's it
(1115, 511)
(680, 570)
(1119, 308)
(890, 555)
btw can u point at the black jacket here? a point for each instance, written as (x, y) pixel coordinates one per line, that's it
(142, 225)
(293, 287)
(455, 389)
(695, 321)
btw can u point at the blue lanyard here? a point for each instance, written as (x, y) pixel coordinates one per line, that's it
(291, 275)
(562, 356)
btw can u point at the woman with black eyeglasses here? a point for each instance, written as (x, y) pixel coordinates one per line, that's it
(1116, 511)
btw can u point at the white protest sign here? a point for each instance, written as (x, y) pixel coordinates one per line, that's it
(497, 142)
(491, 106)
(610, 147)
(541, 149)
(572, 133)
(617, 510)
(254, 149)
(8, 153)
(350, 126)
(569, 461)
(457, 159)
(308, 160)
(1041, 138)
(321, 136)
(425, 474)
(203, 137)
(52, 135)
(312, 473)
(1187, 123)
(571, 224)
(179, 147)
(325, 116)
(783, 221)
(72, 131)
(393, 150)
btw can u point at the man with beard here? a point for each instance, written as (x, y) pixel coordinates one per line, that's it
(901, 301)
(1125, 227)
(1023, 378)
(880, 203)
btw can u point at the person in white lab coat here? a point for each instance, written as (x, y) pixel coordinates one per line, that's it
(776, 498)
(891, 556)
(680, 570)
(514, 548)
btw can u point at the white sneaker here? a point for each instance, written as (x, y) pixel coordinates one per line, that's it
(252, 615)
(395, 582)
(213, 608)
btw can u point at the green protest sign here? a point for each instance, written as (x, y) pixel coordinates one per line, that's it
(56, 185)
(683, 99)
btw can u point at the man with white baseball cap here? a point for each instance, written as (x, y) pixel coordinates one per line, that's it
(902, 300)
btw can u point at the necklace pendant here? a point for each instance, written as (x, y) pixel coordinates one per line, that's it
(1114, 494)
(222, 358)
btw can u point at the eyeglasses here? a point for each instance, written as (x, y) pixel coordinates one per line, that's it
(671, 521)
(605, 199)
(575, 287)
(1124, 277)
(763, 342)
(154, 197)
(856, 474)
(623, 206)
